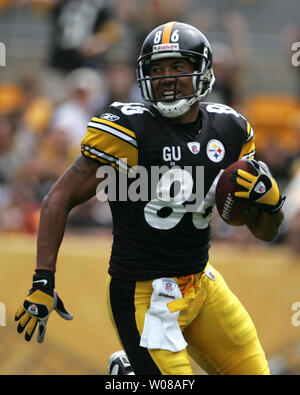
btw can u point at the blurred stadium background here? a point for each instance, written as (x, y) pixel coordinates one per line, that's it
(65, 60)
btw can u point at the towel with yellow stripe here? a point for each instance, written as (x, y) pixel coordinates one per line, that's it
(161, 328)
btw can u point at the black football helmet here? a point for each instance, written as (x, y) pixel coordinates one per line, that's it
(175, 39)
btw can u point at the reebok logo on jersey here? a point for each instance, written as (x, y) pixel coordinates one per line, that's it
(110, 117)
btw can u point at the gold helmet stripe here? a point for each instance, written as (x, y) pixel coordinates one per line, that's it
(167, 33)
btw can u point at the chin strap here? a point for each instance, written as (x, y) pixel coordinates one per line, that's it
(174, 109)
(180, 107)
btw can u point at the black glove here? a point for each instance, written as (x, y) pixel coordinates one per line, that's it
(40, 302)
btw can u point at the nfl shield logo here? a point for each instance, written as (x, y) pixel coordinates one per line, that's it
(260, 188)
(210, 274)
(169, 284)
(194, 147)
(32, 309)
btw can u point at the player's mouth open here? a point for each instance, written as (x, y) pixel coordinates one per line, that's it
(169, 95)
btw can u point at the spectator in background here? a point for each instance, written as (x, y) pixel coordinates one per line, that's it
(154, 12)
(279, 162)
(291, 224)
(223, 66)
(292, 233)
(236, 27)
(120, 84)
(139, 17)
(230, 54)
(19, 210)
(71, 117)
(17, 201)
(16, 147)
(291, 36)
(4, 4)
(52, 156)
(61, 137)
(57, 147)
(83, 32)
(36, 109)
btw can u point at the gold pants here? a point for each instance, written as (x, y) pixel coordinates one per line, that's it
(220, 334)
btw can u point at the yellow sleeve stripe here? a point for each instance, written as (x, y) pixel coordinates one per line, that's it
(248, 150)
(250, 132)
(85, 152)
(103, 157)
(110, 144)
(114, 125)
(248, 128)
(108, 130)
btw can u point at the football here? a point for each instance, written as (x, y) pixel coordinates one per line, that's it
(233, 210)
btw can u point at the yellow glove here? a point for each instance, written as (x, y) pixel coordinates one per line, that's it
(40, 302)
(260, 188)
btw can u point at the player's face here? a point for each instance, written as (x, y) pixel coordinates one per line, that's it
(165, 88)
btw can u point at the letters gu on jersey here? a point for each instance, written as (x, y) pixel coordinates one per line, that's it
(155, 238)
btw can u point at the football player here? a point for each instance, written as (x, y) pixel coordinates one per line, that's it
(165, 298)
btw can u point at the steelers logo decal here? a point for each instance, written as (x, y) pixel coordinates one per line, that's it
(215, 150)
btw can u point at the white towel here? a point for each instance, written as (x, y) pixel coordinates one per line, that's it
(161, 329)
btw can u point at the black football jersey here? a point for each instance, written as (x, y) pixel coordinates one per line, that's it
(162, 191)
